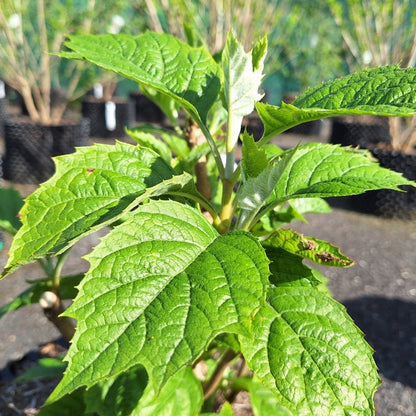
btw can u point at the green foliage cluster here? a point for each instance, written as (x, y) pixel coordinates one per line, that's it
(196, 267)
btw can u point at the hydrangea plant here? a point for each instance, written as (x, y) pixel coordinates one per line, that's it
(197, 288)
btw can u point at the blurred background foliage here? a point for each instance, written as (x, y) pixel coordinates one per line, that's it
(309, 41)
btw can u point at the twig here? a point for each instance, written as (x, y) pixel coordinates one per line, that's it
(211, 385)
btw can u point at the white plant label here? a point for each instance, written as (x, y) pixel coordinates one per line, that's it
(110, 115)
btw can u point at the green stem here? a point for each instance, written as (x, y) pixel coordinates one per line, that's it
(213, 146)
(229, 164)
(56, 278)
(227, 209)
(47, 266)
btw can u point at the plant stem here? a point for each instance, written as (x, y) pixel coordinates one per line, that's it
(52, 308)
(56, 278)
(226, 213)
(211, 385)
(195, 137)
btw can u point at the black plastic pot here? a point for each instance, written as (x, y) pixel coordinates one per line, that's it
(362, 132)
(29, 147)
(146, 110)
(310, 128)
(253, 125)
(99, 114)
(388, 203)
(4, 103)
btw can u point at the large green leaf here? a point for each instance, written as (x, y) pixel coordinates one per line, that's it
(160, 287)
(385, 91)
(306, 349)
(90, 188)
(159, 61)
(325, 170)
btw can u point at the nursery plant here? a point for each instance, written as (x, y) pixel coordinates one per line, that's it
(30, 30)
(377, 34)
(199, 289)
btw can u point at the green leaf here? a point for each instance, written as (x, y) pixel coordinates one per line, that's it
(325, 170)
(242, 79)
(308, 352)
(310, 205)
(10, 205)
(150, 141)
(117, 396)
(288, 270)
(180, 396)
(293, 210)
(68, 286)
(188, 162)
(160, 287)
(90, 188)
(27, 297)
(159, 61)
(45, 367)
(255, 191)
(176, 143)
(254, 160)
(70, 405)
(264, 402)
(384, 91)
(310, 248)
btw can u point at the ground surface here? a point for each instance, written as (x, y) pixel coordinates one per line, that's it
(379, 292)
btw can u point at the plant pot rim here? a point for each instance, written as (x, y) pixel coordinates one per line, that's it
(26, 120)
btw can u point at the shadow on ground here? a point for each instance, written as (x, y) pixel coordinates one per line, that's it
(390, 328)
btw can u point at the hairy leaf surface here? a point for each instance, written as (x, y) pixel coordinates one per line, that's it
(384, 91)
(242, 78)
(90, 188)
(306, 349)
(160, 287)
(324, 170)
(159, 61)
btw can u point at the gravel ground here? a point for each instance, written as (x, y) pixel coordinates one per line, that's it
(379, 293)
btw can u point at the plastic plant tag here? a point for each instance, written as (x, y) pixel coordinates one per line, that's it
(2, 90)
(110, 115)
(98, 90)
